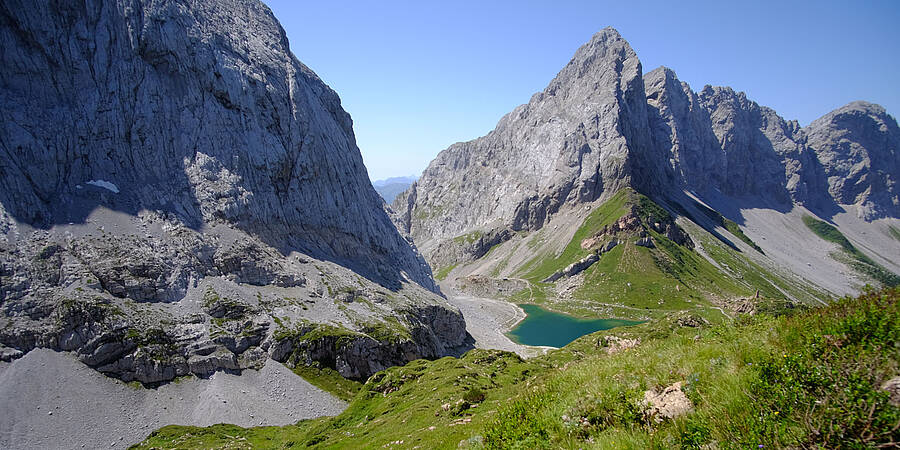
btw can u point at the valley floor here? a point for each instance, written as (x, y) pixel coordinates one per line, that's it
(50, 400)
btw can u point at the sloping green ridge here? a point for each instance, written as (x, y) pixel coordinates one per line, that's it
(859, 261)
(638, 282)
(542, 265)
(807, 380)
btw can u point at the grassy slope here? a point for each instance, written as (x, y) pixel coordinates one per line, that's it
(859, 260)
(329, 380)
(635, 282)
(543, 264)
(895, 233)
(442, 273)
(807, 380)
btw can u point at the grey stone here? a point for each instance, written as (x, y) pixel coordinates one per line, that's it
(645, 241)
(858, 147)
(574, 269)
(892, 387)
(609, 245)
(153, 148)
(578, 140)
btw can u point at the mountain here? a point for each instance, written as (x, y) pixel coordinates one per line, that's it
(390, 188)
(180, 195)
(705, 216)
(614, 192)
(858, 147)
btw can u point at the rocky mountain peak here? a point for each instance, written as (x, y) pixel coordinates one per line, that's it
(605, 52)
(601, 125)
(575, 141)
(858, 146)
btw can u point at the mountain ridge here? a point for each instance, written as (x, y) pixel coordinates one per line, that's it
(713, 151)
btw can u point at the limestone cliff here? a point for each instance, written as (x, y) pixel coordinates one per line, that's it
(858, 146)
(159, 155)
(602, 125)
(581, 138)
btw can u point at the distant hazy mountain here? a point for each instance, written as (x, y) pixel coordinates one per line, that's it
(389, 188)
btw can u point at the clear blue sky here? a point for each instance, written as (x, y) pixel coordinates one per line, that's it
(417, 76)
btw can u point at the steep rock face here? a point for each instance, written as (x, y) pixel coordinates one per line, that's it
(858, 146)
(680, 123)
(576, 141)
(175, 187)
(720, 140)
(194, 108)
(601, 126)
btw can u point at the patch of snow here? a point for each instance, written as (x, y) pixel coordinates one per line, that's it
(105, 185)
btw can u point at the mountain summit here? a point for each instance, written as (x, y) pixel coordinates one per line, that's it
(574, 142)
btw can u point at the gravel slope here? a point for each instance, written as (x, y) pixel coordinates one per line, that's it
(49, 400)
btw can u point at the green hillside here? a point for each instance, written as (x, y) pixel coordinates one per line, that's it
(807, 378)
(635, 282)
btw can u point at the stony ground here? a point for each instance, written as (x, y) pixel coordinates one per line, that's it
(487, 320)
(50, 400)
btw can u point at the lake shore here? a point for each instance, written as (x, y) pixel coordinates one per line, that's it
(488, 321)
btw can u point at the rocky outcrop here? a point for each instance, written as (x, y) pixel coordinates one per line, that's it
(720, 141)
(575, 268)
(615, 344)
(892, 387)
(666, 404)
(174, 183)
(468, 247)
(218, 325)
(858, 146)
(132, 332)
(645, 241)
(358, 355)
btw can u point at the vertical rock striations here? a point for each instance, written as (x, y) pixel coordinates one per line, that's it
(583, 137)
(194, 108)
(720, 141)
(602, 125)
(858, 146)
(179, 194)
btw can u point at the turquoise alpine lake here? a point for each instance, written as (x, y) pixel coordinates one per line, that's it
(548, 328)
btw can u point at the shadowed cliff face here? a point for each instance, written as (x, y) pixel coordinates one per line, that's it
(858, 146)
(721, 142)
(193, 109)
(179, 195)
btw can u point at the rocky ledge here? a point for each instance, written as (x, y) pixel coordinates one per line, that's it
(170, 301)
